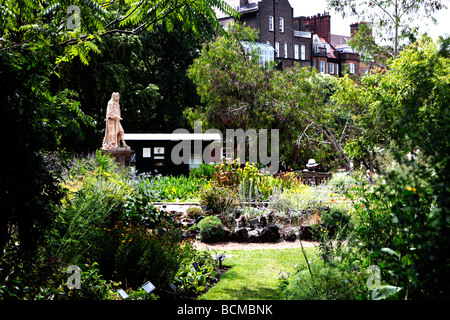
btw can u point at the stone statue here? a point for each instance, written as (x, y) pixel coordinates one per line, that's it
(114, 131)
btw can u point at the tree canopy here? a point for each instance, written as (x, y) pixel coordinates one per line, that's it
(392, 19)
(37, 39)
(237, 91)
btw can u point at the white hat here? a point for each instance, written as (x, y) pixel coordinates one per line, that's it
(311, 163)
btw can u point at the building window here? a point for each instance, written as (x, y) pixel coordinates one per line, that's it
(337, 69)
(331, 68)
(146, 152)
(296, 55)
(316, 48)
(322, 66)
(265, 52)
(281, 24)
(303, 52)
(266, 55)
(270, 23)
(277, 49)
(352, 68)
(314, 64)
(285, 50)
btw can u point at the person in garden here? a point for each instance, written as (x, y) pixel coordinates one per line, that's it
(311, 165)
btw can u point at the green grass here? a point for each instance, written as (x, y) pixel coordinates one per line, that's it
(254, 274)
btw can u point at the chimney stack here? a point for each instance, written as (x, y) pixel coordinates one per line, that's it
(320, 25)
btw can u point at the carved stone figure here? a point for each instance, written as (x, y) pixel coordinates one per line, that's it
(114, 132)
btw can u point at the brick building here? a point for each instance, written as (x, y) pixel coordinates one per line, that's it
(276, 24)
(304, 40)
(339, 52)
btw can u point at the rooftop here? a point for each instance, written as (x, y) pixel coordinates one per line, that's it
(173, 136)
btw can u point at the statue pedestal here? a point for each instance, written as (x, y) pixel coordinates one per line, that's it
(121, 155)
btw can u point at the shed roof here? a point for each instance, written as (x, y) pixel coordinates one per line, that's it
(173, 136)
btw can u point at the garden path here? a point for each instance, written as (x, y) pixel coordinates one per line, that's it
(252, 246)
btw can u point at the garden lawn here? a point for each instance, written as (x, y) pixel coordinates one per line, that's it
(255, 274)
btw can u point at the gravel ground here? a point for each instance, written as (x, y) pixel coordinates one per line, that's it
(252, 246)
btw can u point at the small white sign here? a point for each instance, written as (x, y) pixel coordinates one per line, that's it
(173, 287)
(146, 152)
(122, 293)
(148, 287)
(158, 150)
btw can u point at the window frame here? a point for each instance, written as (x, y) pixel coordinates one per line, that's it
(331, 67)
(303, 52)
(271, 23)
(351, 67)
(322, 64)
(281, 24)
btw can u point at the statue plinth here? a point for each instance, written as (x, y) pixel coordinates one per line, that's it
(120, 155)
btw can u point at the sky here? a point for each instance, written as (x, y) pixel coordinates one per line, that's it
(340, 26)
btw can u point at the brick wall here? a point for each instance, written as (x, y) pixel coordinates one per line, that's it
(320, 24)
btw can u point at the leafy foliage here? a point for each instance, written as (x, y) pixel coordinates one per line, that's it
(238, 92)
(408, 212)
(393, 20)
(211, 229)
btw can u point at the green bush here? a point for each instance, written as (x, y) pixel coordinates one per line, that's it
(341, 182)
(219, 198)
(204, 171)
(327, 283)
(211, 229)
(337, 221)
(146, 255)
(194, 212)
(171, 188)
(106, 220)
(192, 279)
(94, 198)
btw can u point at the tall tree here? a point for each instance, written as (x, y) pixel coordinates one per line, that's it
(393, 19)
(238, 92)
(405, 110)
(36, 38)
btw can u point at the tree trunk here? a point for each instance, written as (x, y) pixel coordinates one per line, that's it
(336, 145)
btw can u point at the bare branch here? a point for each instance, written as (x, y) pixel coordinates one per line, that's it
(17, 45)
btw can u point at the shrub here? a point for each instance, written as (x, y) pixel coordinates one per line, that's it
(340, 182)
(211, 229)
(146, 255)
(205, 171)
(194, 280)
(337, 221)
(94, 198)
(194, 212)
(218, 198)
(327, 283)
(103, 219)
